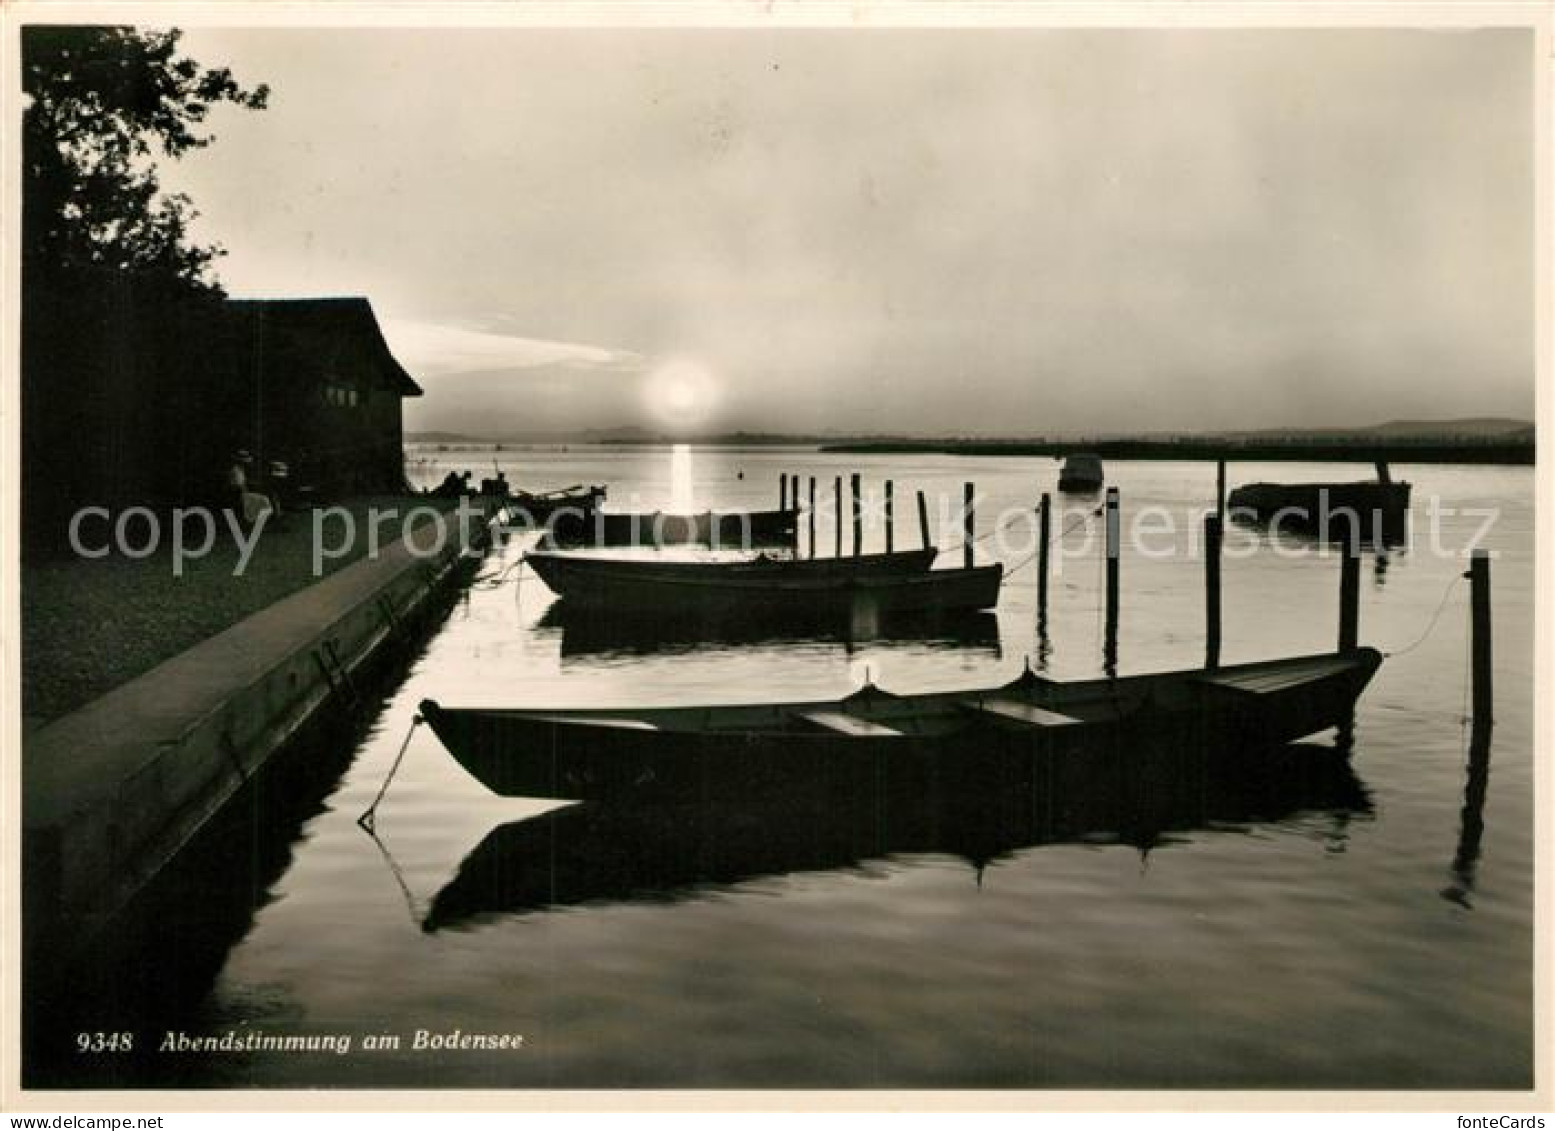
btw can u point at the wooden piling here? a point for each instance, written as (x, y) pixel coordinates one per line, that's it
(856, 512)
(783, 492)
(1471, 830)
(839, 516)
(1479, 617)
(812, 516)
(1114, 550)
(1220, 489)
(1350, 594)
(923, 520)
(1044, 532)
(1213, 533)
(890, 518)
(968, 524)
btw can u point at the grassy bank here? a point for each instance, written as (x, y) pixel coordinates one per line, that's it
(90, 625)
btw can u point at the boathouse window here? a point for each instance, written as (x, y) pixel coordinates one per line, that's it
(341, 396)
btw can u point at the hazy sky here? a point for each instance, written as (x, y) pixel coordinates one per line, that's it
(960, 231)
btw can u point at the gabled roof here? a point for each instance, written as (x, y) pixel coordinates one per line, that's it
(321, 323)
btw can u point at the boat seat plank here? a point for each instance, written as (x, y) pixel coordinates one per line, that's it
(1019, 711)
(596, 721)
(850, 725)
(1260, 684)
(1269, 682)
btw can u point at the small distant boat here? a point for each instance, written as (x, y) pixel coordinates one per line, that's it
(752, 751)
(1377, 512)
(599, 528)
(800, 587)
(1081, 473)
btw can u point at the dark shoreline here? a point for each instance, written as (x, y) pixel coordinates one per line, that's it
(1513, 454)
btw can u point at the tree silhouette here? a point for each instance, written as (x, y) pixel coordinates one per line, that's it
(102, 102)
(120, 307)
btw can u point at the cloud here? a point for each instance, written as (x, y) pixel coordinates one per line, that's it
(435, 349)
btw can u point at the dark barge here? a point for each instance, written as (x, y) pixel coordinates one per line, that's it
(1374, 512)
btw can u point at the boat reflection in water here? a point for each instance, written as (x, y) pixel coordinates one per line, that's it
(636, 852)
(589, 636)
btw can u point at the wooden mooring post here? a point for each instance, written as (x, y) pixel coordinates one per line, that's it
(1479, 624)
(1350, 593)
(1044, 533)
(890, 517)
(856, 512)
(839, 516)
(1114, 550)
(1220, 489)
(968, 523)
(1213, 534)
(1471, 828)
(812, 516)
(923, 520)
(783, 492)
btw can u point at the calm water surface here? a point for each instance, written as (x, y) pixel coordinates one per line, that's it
(1319, 934)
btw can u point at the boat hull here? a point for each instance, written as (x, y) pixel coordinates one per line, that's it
(536, 510)
(810, 590)
(916, 742)
(1081, 474)
(1378, 512)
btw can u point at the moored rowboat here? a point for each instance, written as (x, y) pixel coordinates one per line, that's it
(816, 587)
(755, 750)
(537, 508)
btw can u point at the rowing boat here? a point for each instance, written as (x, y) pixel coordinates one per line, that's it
(815, 588)
(766, 749)
(537, 508)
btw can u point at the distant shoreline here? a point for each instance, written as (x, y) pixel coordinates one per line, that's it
(1504, 453)
(1513, 454)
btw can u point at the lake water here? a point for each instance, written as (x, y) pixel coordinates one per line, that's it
(1320, 933)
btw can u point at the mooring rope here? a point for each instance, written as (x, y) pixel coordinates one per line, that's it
(997, 530)
(411, 903)
(501, 578)
(1430, 627)
(367, 818)
(1080, 520)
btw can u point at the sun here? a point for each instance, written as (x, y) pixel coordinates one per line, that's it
(680, 393)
